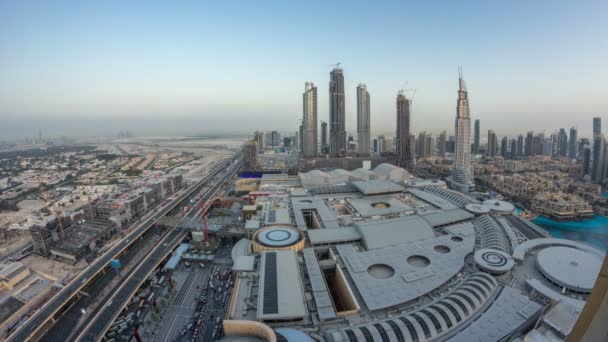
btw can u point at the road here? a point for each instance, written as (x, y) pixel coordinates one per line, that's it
(57, 302)
(98, 325)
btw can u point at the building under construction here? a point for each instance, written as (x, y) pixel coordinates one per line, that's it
(69, 241)
(251, 155)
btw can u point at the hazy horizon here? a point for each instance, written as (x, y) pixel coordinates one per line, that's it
(194, 68)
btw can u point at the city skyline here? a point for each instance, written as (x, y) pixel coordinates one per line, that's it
(73, 68)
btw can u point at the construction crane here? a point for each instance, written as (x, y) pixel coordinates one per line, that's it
(47, 202)
(336, 65)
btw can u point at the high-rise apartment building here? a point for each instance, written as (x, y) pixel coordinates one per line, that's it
(492, 144)
(324, 142)
(504, 146)
(520, 145)
(572, 143)
(309, 121)
(476, 138)
(586, 161)
(597, 126)
(462, 174)
(441, 144)
(363, 120)
(250, 155)
(382, 144)
(337, 114)
(529, 144)
(513, 149)
(562, 143)
(599, 160)
(405, 157)
(260, 139)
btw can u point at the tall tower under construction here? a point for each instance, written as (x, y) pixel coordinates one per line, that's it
(337, 114)
(309, 121)
(363, 120)
(405, 157)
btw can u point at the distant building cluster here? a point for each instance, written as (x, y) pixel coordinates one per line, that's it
(73, 236)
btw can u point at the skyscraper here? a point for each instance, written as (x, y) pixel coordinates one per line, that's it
(251, 155)
(476, 138)
(597, 126)
(504, 146)
(599, 159)
(309, 121)
(492, 144)
(404, 151)
(597, 150)
(337, 114)
(562, 143)
(441, 145)
(528, 145)
(572, 148)
(520, 145)
(260, 139)
(324, 145)
(586, 161)
(513, 149)
(363, 120)
(462, 175)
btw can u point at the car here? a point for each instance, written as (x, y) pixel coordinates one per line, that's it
(184, 332)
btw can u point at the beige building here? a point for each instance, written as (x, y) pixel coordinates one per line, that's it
(11, 274)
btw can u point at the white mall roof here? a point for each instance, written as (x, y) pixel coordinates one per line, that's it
(383, 233)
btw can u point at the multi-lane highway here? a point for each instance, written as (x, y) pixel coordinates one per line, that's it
(99, 324)
(40, 318)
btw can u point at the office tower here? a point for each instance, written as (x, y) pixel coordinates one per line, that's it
(363, 120)
(597, 172)
(504, 146)
(381, 144)
(513, 149)
(572, 148)
(537, 144)
(375, 145)
(597, 126)
(260, 139)
(298, 139)
(476, 138)
(309, 121)
(562, 143)
(251, 155)
(586, 161)
(441, 145)
(492, 144)
(337, 114)
(462, 175)
(582, 143)
(404, 156)
(528, 145)
(451, 145)
(324, 145)
(421, 145)
(275, 138)
(520, 145)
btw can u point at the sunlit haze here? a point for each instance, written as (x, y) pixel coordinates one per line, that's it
(197, 67)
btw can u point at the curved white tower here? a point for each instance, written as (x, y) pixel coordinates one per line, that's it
(462, 175)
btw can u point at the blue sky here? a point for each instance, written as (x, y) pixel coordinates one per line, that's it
(237, 66)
